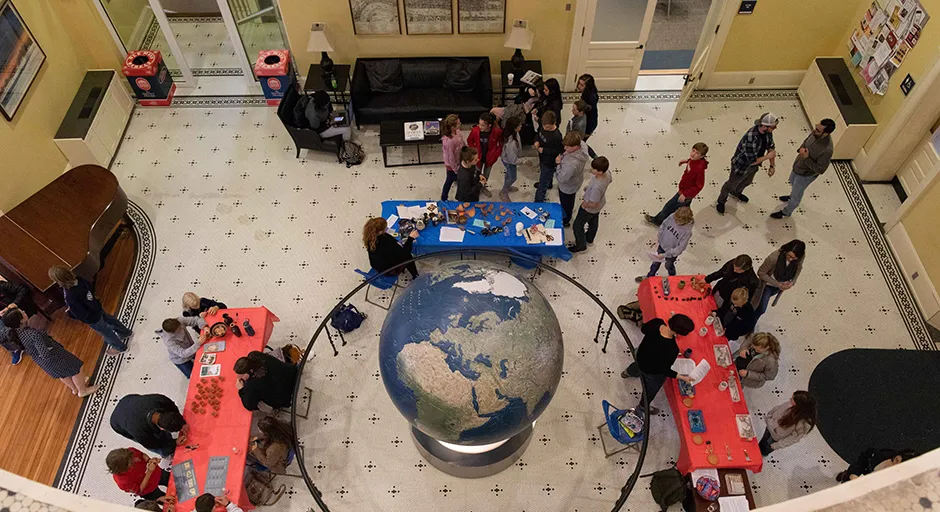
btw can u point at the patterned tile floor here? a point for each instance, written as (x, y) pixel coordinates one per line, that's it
(226, 210)
(884, 199)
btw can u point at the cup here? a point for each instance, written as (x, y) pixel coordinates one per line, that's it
(703, 331)
(510, 76)
(723, 385)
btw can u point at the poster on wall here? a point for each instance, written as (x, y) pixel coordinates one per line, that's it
(429, 17)
(481, 16)
(375, 17)
(883, 38)
(20, 59)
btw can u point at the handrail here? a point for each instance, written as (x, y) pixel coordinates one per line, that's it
(258, 14)
(315, 492)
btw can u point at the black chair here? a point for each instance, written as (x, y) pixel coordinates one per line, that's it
(305, 138)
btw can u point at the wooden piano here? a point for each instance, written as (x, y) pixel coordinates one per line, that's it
(70, 222)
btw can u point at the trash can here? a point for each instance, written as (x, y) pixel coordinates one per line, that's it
(149, 77)
(273, 70)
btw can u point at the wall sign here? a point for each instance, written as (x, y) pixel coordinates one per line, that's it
(907, 84)
(747, 6)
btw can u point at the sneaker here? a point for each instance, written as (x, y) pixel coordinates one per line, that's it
(574, 248)
(639, 279)
(551, 186)
(777, 215)
(785, 199)
(129, 335)
(17, 356)
(514, 189)
(591, 242)
(652, 411)
(740, 197)
(566, 224)
(652, 220)
(721, 208)
(624, 374)
(486, 192)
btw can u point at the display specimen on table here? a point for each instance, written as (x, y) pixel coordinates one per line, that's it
(429, 17)
(375, 17)
(471, 354)
(481, 16)
(21, 57)
(883, 39)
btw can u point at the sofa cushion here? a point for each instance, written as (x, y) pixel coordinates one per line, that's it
(462, 74)
(417, 103)
(424, 73)
(384, 75)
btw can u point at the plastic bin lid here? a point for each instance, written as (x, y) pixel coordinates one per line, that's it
(272, 63)
(142, 63)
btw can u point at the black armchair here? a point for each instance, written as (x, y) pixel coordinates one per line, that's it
(305, 138)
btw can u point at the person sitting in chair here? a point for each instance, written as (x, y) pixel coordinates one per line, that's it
(273, 447)
(384, 251)
(264, 383)
(320, 116)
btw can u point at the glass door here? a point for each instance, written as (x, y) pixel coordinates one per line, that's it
(257, 25)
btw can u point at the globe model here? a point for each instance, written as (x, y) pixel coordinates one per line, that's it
(470, 353)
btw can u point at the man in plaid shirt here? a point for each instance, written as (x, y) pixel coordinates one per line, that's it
(756, 146)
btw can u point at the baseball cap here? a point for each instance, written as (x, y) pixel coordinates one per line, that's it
(769, 119)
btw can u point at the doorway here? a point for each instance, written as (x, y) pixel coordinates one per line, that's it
(674, 34)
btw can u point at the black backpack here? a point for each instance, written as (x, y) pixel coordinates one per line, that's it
(347, 318)
(351, 153)
(667, 487)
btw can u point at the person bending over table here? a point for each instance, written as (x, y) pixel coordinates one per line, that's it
(150, 420)
(208, 502)
(264, 382)
(656, 354)
(179, 343)
(384, 251)
(194, 305)
(136, 473)
(272, 448)
(734, 274)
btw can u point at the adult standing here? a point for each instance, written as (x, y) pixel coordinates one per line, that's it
(754, 148)
(151, 421)
(48, 354)
(551, 100)
(85, 307)
(778, 273)
(656, 354)
(812, 161)
(589, 95)
(734, 274)
(758, 359)
(789, 422)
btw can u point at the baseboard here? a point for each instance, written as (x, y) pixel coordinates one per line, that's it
(924, 291)
(737, 80)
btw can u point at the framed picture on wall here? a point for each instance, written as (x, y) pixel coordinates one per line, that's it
(481, 16)
(375, 17)
(20, 56)
(429, 17)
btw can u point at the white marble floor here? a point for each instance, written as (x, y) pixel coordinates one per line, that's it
(884, 199)
(233, 215)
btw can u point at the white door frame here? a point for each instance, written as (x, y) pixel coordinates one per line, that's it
(729, 9)
(232, 28)
(706, 42)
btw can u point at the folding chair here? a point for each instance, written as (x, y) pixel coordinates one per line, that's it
(613, 437)
(384, 283)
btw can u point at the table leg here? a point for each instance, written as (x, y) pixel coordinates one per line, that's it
(607, 338)
(600, 322)
(385, 156)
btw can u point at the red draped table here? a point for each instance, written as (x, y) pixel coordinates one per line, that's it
(227, 433)
(718, 411)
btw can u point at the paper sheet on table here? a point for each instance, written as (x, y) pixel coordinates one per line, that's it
(479, 223)
(687, 367)
(451, 234)
(556, 233)
(709, 472)
(392, 222)
(550, 223)
(733, 504)
(528, 212)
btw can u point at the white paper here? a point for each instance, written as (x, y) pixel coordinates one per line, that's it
(403, 211)
(417, 211)
(700, 371)
(528, 212)
(683, 366)
(687, 367)
(392, 222)
(709, 472)
(557, 234)
(451, 234)
(656, 256)
(733, 504)
(882, 53)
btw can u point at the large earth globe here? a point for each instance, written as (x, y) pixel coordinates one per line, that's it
(470, 353)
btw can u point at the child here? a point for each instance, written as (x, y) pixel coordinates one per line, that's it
(83, 306)
(549, 145)
(512, 146)
(692, 182)
(487, 139)
(592, 204)
(194, 305)
(469, 179)
(570, 173)
(578, 122)
(674, 235)
(451, 142)
(180, 344)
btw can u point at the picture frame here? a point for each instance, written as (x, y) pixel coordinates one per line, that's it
(375, 17)
(429, 17)
(481, 16)
(19, 48)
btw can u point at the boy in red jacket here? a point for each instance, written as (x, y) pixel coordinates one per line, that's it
(487, 139)
(692, 182)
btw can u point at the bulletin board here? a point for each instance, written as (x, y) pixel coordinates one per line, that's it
(883, 38)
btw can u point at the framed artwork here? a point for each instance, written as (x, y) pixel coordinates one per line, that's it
(21, 57)
(481, 16)
(375, 17)
(429, 17)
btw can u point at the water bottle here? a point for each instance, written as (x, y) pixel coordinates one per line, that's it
(249, 330)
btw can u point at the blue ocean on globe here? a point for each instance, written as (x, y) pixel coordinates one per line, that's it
(470, 353)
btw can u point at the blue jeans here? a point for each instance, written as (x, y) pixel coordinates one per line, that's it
(670, 207)
(670, 264)
(448, 182)
(112, 330)
(798, 186)
(510, 177)
(186, 368)
(769, 293)
(546, 174)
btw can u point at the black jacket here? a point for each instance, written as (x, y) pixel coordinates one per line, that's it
(82, 304)
(656, 354)
(731, 280)
(552, 145)
(468, 184)
(741, 323)
(388, 253)
(132, 419)
(15, 293)
(591, 98)
(204, 305)
(275, 388)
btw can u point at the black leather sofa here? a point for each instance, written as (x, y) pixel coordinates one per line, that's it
(410, 89)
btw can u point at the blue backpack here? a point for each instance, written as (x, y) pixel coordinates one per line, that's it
(347, 318)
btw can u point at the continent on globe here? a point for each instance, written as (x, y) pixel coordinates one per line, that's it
(471, 353)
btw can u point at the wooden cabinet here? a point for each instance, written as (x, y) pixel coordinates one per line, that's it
(828, 90)
(94, 124)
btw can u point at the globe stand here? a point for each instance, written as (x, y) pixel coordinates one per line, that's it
(472, 465)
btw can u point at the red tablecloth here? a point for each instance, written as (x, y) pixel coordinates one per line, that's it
(227, 434)
(718, 410)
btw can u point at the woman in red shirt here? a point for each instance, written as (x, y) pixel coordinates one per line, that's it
(137, 473)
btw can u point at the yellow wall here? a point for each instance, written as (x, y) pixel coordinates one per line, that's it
(785, 35)
(920, 222)
(547, 19)
(74, 39)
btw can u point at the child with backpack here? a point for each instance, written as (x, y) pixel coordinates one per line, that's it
(487, 138)
(691, 183)
(451, 143)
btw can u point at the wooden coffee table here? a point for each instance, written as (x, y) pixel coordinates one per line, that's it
(392, 133)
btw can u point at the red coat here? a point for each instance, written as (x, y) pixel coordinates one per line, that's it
(130, 480)
(693, 179)
(494, 148)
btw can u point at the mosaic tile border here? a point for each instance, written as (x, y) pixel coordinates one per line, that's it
(175, 73)
(217, 101)
(91, 415)
(662, 96)
(195, 19)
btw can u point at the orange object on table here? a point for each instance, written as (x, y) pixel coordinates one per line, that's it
(718, 411)
(226, 434)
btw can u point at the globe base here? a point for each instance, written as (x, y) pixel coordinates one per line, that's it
(472, 465)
